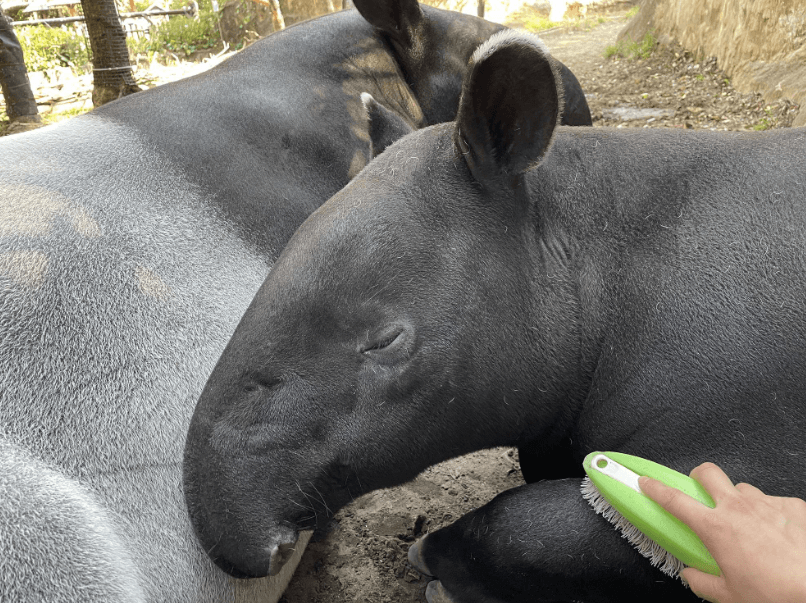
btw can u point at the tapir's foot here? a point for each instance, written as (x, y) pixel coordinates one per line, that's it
(416, 558)
(436, 593)
(538, 543)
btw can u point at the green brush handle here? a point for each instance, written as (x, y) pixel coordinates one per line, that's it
(622, 492)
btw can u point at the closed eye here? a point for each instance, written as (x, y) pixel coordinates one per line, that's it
(258, 381)
(383, 342)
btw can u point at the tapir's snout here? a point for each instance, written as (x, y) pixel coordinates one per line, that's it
(267, 559)
(225, 498)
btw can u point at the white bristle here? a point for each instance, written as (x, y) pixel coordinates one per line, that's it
(657, 555)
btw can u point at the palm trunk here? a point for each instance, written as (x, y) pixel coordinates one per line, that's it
(111, 69)
(20, 101)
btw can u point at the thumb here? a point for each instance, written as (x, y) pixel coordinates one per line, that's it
(705, 586)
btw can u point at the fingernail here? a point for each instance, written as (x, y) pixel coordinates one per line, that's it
(642, 481)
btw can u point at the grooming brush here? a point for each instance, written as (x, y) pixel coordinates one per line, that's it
(611, 488)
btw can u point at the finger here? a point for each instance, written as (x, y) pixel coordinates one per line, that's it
(679, 504)
(750, 490)
(705, 586)
(794, 509)
(714, 480)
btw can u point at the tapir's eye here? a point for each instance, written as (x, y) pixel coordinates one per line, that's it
(256, 380)
(384, 340)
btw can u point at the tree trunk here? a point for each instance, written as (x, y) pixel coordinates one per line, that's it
(111, 69)
(20, 101)
(480, 9)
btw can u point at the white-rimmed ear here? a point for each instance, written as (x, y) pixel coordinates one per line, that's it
(395, 18)
(511, 102)
(385, 126)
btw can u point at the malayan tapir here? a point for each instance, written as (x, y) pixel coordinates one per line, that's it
(501, 280)
(131, 241)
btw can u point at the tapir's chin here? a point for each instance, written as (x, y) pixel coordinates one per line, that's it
(257, 561)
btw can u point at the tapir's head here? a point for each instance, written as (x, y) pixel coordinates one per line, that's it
(432, 47)
(397, 328)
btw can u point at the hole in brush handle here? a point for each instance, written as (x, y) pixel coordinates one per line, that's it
(607, 466)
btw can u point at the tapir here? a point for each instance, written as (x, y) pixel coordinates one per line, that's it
(504, 281)
(131, 242)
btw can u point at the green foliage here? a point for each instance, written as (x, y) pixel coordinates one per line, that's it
(204, 5)
(632, 50)
(45, 47)
(535, 22)
(52, 118)
(185, 34)
(138, 45)
(766, 122)
(632, 12)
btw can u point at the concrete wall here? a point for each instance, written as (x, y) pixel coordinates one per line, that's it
(761, 44)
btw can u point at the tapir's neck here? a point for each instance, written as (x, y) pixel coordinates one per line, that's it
(596, 198)
(609, 203)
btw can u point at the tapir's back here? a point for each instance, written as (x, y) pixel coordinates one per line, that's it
(115, 301)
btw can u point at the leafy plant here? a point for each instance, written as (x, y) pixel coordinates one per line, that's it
(536, 22)
(632, 12)
(52, 118)
(766, 122)
(632, 50)
(185, 34)
(46, 47)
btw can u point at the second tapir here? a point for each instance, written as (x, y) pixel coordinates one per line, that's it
(131, 241)
(501, 280)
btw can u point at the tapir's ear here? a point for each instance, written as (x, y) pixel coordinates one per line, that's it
(511, 101)
(396, 18)
(385, 126)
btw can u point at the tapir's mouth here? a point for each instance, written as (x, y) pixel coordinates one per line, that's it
(259, 561)
(229, 569)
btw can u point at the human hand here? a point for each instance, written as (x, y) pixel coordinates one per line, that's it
(758, 541)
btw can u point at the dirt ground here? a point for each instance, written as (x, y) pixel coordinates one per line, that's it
(679, 89)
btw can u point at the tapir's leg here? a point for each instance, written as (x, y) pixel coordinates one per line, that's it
(537, 463)
(540, 542)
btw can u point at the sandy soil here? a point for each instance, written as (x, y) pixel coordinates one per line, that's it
(683, 90)
(364, 557)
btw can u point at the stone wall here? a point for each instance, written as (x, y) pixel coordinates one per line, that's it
(760, 44)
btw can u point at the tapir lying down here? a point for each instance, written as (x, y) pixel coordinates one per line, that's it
(500, 280)
(131, 242)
